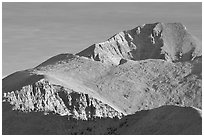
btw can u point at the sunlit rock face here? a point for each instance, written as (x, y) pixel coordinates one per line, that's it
(168, 41)
(47, 98)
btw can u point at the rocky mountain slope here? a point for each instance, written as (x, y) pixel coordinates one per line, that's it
(168, 41)
(144, 68)
(44, 97)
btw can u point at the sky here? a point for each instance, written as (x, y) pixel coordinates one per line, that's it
(34, 32)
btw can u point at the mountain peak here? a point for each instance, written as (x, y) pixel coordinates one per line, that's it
(147, 68)
(167, 41)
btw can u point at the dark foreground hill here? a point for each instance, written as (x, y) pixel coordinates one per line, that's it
(166, 120)
(145, 68)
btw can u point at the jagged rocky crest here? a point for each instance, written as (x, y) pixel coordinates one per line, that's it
(168, 41)
(45, 97)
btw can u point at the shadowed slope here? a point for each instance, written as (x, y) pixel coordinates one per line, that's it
(163, 120)
(19, 79)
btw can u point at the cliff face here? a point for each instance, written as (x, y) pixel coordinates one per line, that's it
(44, 97)
(168, 41)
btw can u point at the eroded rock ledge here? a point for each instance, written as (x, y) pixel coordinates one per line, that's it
(45, 97)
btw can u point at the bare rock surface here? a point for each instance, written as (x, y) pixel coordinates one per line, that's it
(168, 41)
(152, 83)
(44, 97)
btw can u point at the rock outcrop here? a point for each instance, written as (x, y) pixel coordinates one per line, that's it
(44, 97)
(168, 41)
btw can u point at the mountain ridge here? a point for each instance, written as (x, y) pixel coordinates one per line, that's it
(162, 40)
(150, 66)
